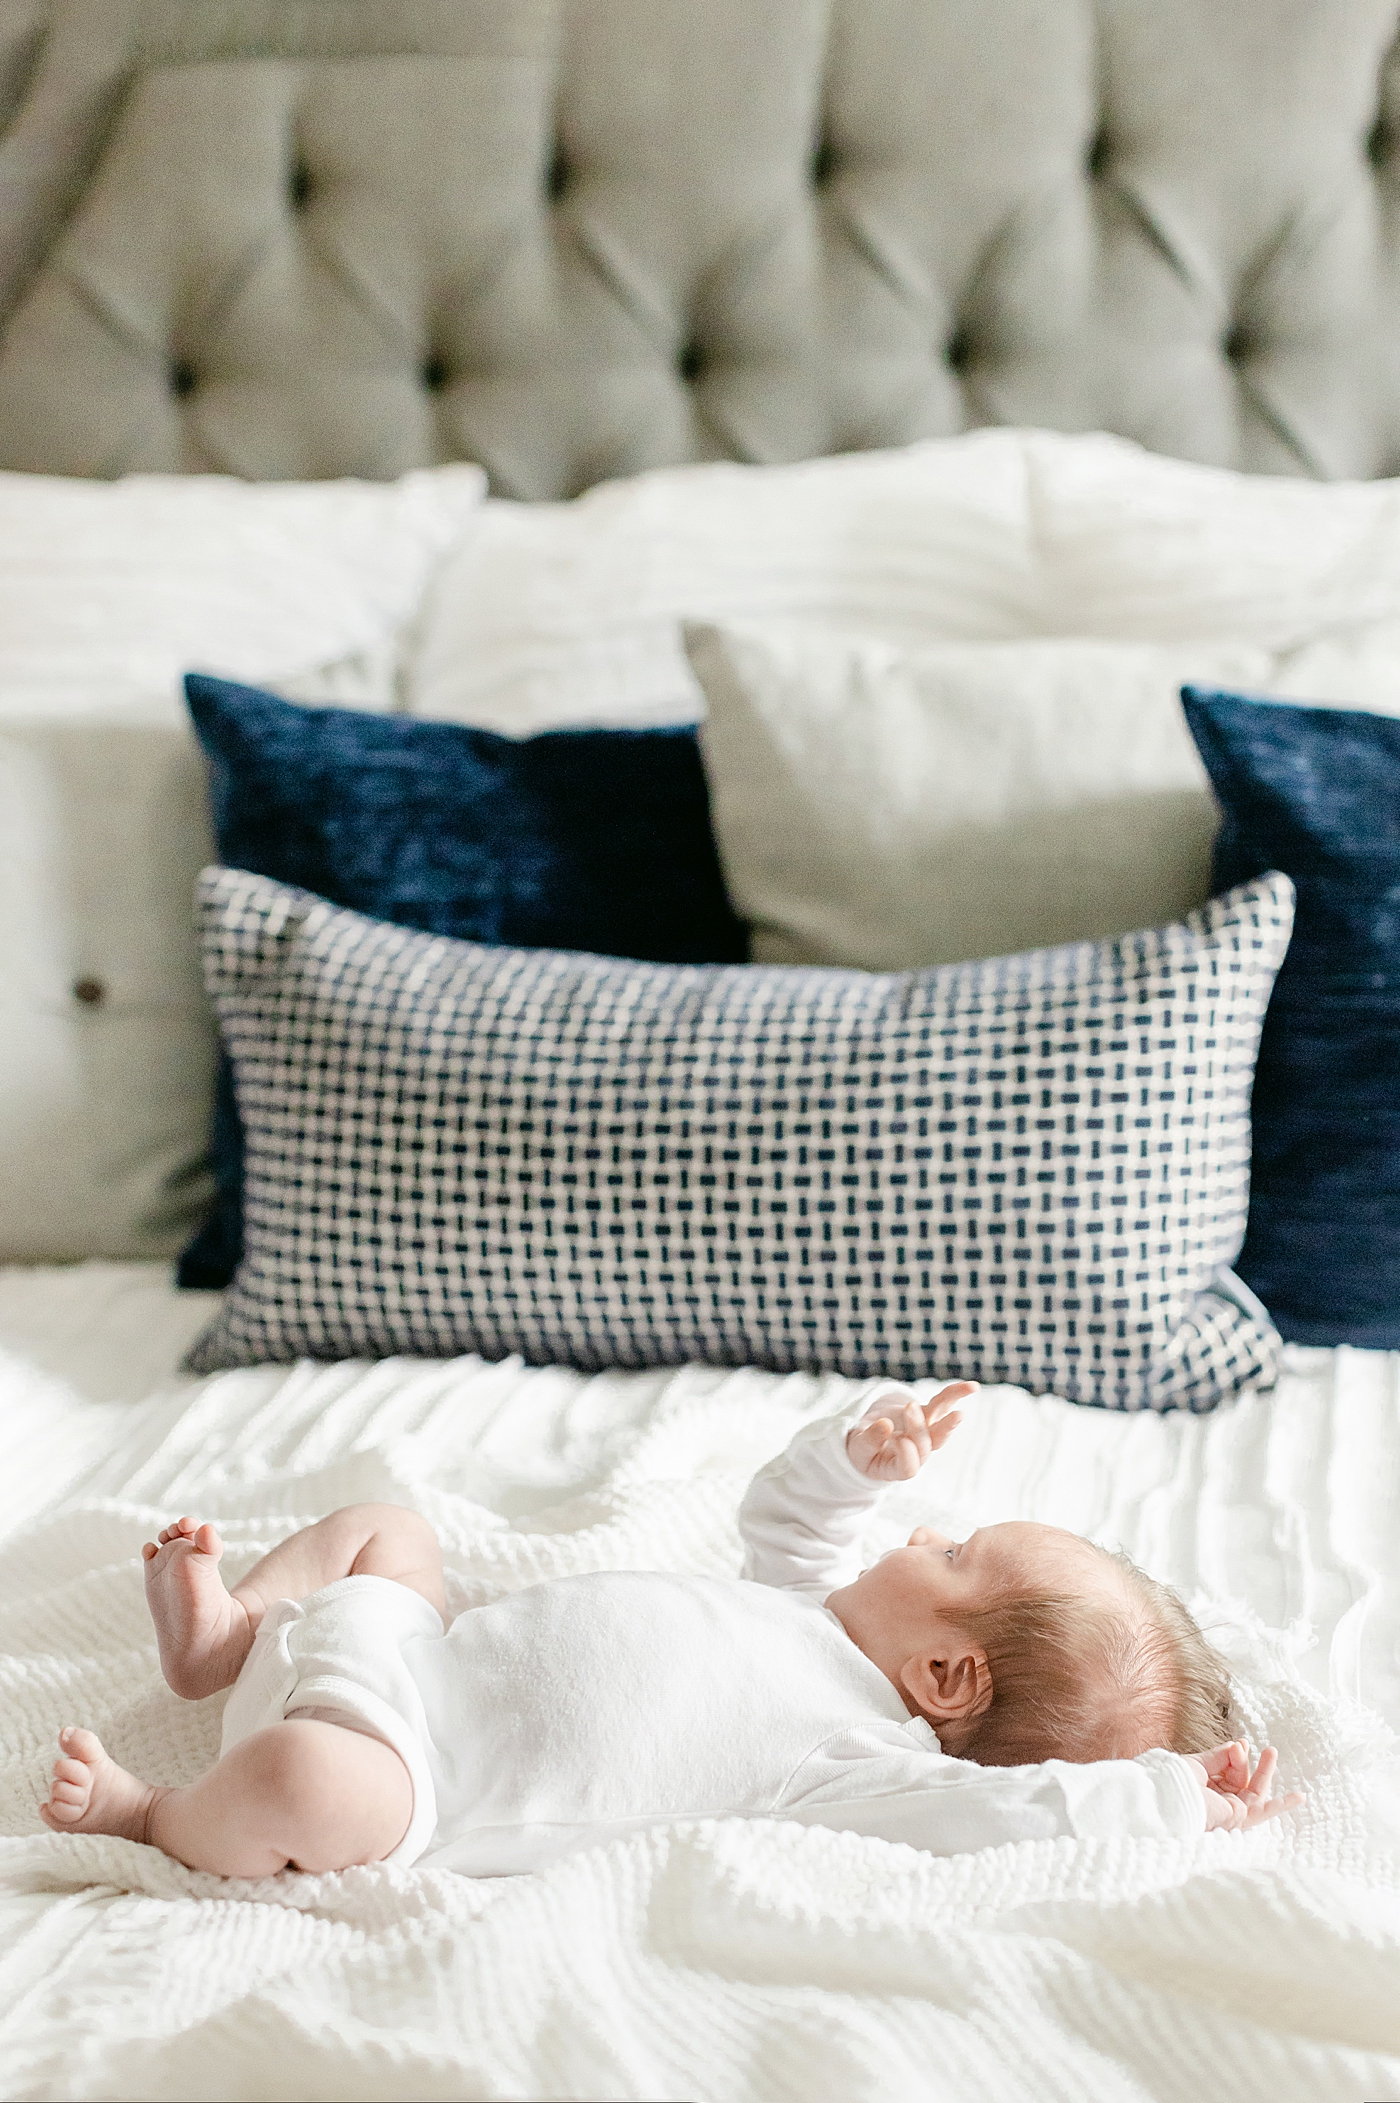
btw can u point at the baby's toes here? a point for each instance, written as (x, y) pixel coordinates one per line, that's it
(81, 1745)
(70, 1797)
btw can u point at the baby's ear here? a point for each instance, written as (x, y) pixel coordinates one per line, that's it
(950, 1685)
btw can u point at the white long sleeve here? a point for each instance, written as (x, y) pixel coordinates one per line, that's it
(858, 1783)
(802, 1515)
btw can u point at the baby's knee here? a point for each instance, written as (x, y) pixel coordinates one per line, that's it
(367, 1518)
(325, 1796)
(397, 1543)
(287, 1767)
(367, 1523)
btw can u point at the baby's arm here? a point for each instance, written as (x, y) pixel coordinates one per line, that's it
(803, 1513)
(952, 1807)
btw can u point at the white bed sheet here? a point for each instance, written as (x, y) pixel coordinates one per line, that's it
(731, 1959)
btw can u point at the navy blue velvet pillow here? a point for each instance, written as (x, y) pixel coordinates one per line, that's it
(579, 839)
(1316, 792)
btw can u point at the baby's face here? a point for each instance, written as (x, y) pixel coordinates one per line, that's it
(930, 1584)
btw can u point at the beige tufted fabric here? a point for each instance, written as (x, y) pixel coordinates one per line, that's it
(572, 238)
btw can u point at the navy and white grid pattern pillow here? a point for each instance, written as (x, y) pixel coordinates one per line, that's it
(1033, 1170)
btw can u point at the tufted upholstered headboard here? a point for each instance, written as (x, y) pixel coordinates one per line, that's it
(572, 238)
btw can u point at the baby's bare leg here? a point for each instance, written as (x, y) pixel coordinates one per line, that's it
(205, 1632)
(360, 1540)
(302, 1794)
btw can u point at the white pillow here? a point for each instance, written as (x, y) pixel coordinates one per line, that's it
(1350, 668)
(888, 809)
(108, 592)
(111, 591)
(558, 614)
(1138, 546)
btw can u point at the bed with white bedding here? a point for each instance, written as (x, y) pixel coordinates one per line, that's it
(743, 1959)
(248, 251)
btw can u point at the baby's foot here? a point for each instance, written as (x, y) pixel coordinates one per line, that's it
(204, 1634)
(91, 1794)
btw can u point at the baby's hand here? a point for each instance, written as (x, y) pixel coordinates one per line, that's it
(894, 1439)
(1235, 1798)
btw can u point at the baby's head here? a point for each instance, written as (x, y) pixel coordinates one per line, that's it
(1025, 1643)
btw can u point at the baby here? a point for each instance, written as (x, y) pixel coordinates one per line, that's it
(1016, 1685)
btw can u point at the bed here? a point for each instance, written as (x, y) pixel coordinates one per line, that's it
(349, 238)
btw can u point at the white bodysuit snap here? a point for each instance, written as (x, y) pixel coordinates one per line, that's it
(586, 1707)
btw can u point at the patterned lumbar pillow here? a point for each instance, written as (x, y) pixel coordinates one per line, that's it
(1034, 1169)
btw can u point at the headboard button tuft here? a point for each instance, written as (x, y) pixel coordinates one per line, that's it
(183, 379)
(1378, 143)
(435, 373)
(691, 363)
(1237, 344)
(1097, 158)
(823, 164)
(556, 180)
(300, 186)
(958, 350)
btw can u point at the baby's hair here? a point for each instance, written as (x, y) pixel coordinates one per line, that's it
(1078, 1677)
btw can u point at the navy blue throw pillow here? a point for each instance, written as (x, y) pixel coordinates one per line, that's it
(578, 839)
(1316, 792)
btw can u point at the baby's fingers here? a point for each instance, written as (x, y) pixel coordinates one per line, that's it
(1258, 1814)
(915, 1429)
(899, 1459)
(1262, 1780)
(882, 1449)
(956, 1391)
(1227, 1766)
(942, 1414)
(1259, 1802)
(867, 1440)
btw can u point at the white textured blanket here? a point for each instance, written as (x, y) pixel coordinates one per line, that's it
(723, 1961)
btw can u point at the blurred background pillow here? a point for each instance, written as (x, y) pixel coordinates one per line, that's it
(891, 808)
(1316, 792)
(108, 590)
(570, 613)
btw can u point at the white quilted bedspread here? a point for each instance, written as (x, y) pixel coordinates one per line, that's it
(723, 1961)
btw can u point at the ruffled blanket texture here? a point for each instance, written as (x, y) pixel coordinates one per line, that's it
(723, 1961)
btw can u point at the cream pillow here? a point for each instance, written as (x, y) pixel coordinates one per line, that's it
(889, 808)
(108, 593)
(107, 1044)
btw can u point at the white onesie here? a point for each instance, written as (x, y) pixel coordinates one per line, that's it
(589, 1706)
